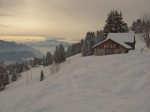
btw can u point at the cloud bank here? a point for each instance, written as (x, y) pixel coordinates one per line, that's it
(69, 19)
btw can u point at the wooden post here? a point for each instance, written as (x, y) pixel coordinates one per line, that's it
(27, 78)
(31, 75)
(55, 68)
(50, 70)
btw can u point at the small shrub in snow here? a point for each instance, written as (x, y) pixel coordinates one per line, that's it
(42, 76)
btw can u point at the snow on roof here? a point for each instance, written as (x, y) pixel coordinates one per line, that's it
(120, 38)
(123, 44)
(119, 42)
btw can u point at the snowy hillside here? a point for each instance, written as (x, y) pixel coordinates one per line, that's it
(114, 83)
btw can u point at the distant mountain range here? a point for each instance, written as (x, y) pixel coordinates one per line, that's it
(13, 52)
(48, 45)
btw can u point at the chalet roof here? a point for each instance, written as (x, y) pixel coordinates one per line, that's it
(119, 42)
(120, 38)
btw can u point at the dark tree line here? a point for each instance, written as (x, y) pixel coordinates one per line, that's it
(36, 62)
(4, 78)
(58, 57)
(88, 43)
(48, 60)
(59, 54)
(85, 46)
(74, 49)
(140, 25)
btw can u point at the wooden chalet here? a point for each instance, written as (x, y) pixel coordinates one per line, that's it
(115, 43)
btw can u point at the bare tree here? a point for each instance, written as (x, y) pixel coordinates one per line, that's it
(146, 38)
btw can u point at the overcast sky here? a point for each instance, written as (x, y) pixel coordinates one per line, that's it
(69, 19)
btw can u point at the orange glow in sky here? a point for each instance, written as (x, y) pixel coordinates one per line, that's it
(66, 19)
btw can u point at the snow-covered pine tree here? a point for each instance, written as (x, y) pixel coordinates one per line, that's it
(44, 61)
(122, 26)
(81, 42)
(14, 77)
(7, 79)
(99, 36)
(42, 76)
(140, 25)
(115, 23)
(19, 68)
(91, 43)
(74, 49)
(56, 57)
(88, 43)
(84, 48)
(49, 58)
(68, 52)
(2, 78)
(133, 26)
(62, 53)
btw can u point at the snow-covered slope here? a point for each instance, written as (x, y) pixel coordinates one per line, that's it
(117, 83)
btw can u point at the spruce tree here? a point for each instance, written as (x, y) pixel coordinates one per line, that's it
(34, 62)
(91, 43)
(42, 76)
(14, 77)
(44, 61)
(81, 42)
(62, 53)
(74, 49)
(140, 25)
(7, 79)
(115, 23)
(57, 58)
(69, 50)
(2, 78)
(134, 26)
(88, 43)
(99, 36)
(49, 59)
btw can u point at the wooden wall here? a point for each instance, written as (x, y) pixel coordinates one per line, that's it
(109, 47)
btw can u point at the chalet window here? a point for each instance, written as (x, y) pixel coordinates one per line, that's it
(109, 46)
